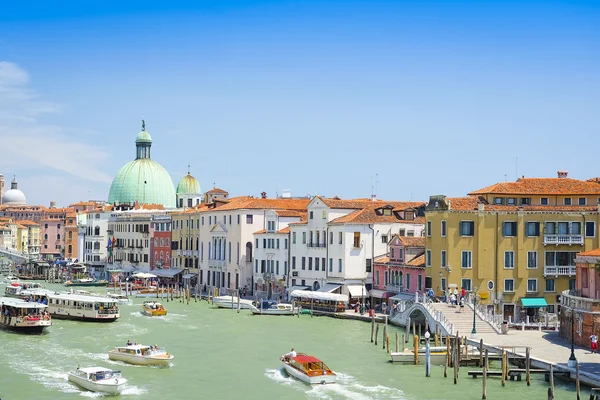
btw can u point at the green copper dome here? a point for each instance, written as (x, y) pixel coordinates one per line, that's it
(188, 185)
(143, 180)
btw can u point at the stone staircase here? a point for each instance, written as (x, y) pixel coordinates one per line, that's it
(463, 321)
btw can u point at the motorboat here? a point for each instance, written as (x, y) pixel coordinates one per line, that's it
(271, 307)
(231, 302)
(9, 280)
(153, 308)
(23, 316)
(98, 379)
(121, 298)
(140, 354)
(438, 355)
(308, 369)
(86, 282)
(17, 289)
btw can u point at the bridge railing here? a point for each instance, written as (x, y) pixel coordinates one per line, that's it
(405, 307)
(494, 320)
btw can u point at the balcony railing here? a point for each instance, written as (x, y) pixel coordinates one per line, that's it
(394, 288)
(563, 239)
(316, 245)
(560, 271)
(216, 263)
(573, 300)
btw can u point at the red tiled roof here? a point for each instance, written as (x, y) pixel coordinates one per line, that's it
(291, 213)
(284, 230)
(471, 204)
(247, 202)
(412, 241)
(542, 186)
(418, 261)
(382, 259)
(590, 253)
(216, 190)
(368, 215)
(259, 232)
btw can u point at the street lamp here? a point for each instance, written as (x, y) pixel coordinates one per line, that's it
(474, 331)
(572, 359)
(427, 354)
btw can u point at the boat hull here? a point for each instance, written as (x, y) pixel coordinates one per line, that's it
(29, 330)
(273, 311)
(311, 380)
(227, 303)
(83, 318)
(153, 313)
(134, 359)
(112, 388)
(85, 284)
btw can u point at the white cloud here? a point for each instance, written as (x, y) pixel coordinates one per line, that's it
(26, 143)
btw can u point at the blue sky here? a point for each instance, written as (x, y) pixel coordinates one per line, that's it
(435, 97)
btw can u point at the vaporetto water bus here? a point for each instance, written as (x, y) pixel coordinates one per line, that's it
(83, 307)
(23, 316)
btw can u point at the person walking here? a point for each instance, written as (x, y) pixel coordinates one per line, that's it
(594, 340)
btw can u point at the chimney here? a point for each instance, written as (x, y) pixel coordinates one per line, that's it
(263, 195)
(53, 204)
(373, 197)
(563, 174)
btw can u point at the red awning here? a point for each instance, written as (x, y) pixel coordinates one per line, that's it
(306, 359)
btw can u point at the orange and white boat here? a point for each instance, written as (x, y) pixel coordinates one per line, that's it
(309, 369)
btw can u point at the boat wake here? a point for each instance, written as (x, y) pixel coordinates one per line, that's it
(346, 388)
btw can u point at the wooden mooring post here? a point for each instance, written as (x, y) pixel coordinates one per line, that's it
(577, 383)
(376, 334)
(551, 388)
(387, 339)
(527, 366)
(455, 360)
(481, 352)
(485, 361)
(372, 328)
(503, 367)
(403, 343)
(384, 334)
(416, 349)
(397, 342)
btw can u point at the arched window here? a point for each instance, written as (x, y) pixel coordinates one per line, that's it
(162, 242)
(96, 245)
(70, 249)
(162, 256)
(155, 256)
(249, 252)
(97, 231)
(155, 242)
(316, 285)
(58, 236)
(45, 236)
(70, 235)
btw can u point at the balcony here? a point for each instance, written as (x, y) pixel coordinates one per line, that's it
(145, 234)
(573, 300)
(315, 245)
(216, 263)
(560, 271)
(563, 239)
(394, 288)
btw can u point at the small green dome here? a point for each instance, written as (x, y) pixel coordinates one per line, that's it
(145, 181)
(143, 137)
(188, 185)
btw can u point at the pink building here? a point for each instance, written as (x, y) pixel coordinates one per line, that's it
(402, 269)
(53, 233)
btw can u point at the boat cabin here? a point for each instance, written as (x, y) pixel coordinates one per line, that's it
(310, 365)
(97, 374)
(139, 350)
(21, 310)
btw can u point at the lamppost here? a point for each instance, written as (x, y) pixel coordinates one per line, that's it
(427, 354)
(474, 331)
(572, 359)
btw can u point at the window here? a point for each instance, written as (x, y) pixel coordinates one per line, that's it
(490, 285)
(572, 284)
(311, 215)
(511, 201)
(331, 265)
(509, 285)
(509, 259)
(384, 239)
(532, 228)
(238, 219)
(419, 282)
(443, 258)
(368, 264)
(428, 258)
(410, 233)
(324, 214)
(567, 201)
(249, 218)
(550, 285)
(356, 239)
(209, 221)
(532, 259)
(330, 237)
(532, 285)
(443, 283)
(407, 281)
(339, 265)
(525, 201)
(544, 201)
(466, 259)
(309, 263)
(277, 246)
(428, 228)
(402, 232)
(549, 228)
(303, 263)
(229, 221)
(256, 243)
(509, 229)
(443, 228)
(467, 228)
(466, 283)
(498, 200)
(377, 278)
(294, 237)
(590, 229)
(393, 255)
(560, 258)
(582, 201)
(294, 262)
(341, 235)
(303, 237)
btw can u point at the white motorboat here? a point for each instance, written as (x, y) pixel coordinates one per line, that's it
(270, 307)
(231, 302)
(23, 316)
(98, 379)
(121, 298)
(9, 280)
(309, 369)
(140, 354)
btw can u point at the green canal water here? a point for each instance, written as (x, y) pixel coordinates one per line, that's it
(228, 355)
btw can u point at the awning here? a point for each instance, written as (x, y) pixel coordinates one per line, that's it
(189, 276)
(357, 290)
(534, 302)
(378, 294)
(329, 287)
(403, 297)
(144, 275)
(129, 268)
(167, 273)
(297, 287)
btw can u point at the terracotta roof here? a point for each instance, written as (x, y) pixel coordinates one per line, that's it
(216, 190)
(412, 241)
(85, 203)
(542, 186)
(382, 259)
(284, 230)
(27, 222)
(291, 213)
(471, 204)
(248, 202)
(259, 232)
(590, 253)
(418, 261)
(368, 215)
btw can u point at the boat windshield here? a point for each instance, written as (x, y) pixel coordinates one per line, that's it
(101, 375)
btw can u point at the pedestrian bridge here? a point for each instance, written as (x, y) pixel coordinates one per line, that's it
(14, 254)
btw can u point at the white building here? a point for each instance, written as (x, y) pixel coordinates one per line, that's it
(95, 241)
(271, 255)
(226, 229)
(334, 249)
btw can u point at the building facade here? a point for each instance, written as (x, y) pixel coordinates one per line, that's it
(160, 242)
(512, 240)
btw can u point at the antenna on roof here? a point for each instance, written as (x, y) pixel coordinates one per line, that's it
(517, 168)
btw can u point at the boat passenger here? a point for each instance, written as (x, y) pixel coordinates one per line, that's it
(128, 342)
(289, 356)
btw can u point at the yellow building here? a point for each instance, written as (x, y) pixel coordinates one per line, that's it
(185, 239)
(22, 238)
(28, 237)
(512, 240)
